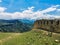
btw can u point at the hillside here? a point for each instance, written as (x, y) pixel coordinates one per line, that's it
(15, 25)
(33, 37)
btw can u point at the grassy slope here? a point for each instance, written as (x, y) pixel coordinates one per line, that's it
(4, 35)
(34, 37)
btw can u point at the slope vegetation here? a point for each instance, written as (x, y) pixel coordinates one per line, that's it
(33, 37)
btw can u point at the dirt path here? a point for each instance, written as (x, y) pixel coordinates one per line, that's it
(13, 35)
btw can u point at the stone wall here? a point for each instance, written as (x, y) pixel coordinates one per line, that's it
(47, 24)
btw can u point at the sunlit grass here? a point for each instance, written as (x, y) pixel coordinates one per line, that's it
(4, 35)
(33, 37)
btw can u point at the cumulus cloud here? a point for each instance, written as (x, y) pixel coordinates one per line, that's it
(2, 9)
(28, 13)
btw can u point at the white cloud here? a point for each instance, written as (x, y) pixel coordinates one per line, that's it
(2, 9)
(31, 8)
(50, 9)
(58, 10)
(29, 13)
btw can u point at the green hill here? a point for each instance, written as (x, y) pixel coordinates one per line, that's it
(33, 37)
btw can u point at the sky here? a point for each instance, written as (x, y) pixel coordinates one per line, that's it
(29, 9)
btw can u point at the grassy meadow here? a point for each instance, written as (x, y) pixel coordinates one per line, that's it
(33, 37)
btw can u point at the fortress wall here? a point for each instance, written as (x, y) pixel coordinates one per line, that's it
(47, 24)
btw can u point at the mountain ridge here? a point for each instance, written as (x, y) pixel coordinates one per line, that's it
(15, 25)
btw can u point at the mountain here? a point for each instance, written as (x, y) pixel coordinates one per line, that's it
(27, 21)
(18, 25)
(22, 20)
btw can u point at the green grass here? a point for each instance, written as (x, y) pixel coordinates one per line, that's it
(32, 38)
(4, 35)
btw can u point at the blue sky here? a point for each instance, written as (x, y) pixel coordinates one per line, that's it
(13, 6)
(16, 5)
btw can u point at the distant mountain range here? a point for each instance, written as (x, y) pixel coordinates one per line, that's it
(17, 25)
(22, 20)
